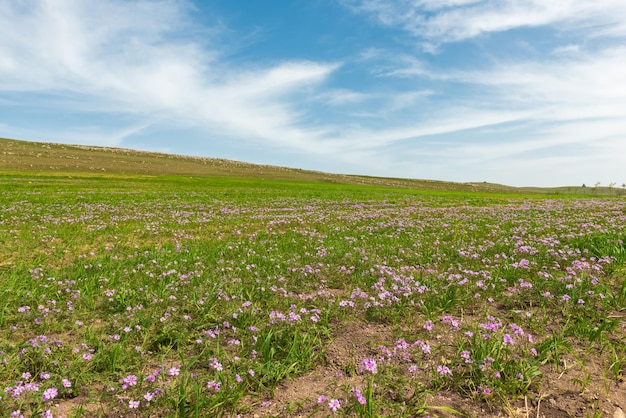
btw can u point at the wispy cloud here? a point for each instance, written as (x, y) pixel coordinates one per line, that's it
(582, 85)
(106, 136)
(342, 97)
(456, 20)
(564, 104)
(120, 56)
(133, 66)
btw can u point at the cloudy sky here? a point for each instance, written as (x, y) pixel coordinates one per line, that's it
(517, 92)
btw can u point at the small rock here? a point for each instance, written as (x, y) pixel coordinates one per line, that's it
(619, 413)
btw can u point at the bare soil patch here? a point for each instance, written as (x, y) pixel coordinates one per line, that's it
(297, 397)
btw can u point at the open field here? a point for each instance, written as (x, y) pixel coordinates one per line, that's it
(63, 160)
(142, 296)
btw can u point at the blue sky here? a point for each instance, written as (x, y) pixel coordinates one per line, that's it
(517, 92)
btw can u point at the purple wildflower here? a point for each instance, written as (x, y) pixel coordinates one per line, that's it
(214, 386)
(443, 370)
(216, 364)
(130, 380)
(50, 394)
(369, 365)
(334, 405)
(359, 396)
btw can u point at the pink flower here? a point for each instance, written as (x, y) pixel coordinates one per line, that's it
(31, 387)
(133, 404)
(369, 365)
(50, 394)
(216, 364)
(334, 405)
(214, 386)
(66, 383)
(444, 370)
(359, 396)
(130, 380)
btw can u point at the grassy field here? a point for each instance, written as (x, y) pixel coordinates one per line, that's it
(156, 293)
(51, 159)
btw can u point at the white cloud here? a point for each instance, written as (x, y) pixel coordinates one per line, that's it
(456, 20)
(70, 44)
(119, 56)
(572, 98)
(589, 85)
(342, 97)
(83, 135)
(568, 49)
(445, 121)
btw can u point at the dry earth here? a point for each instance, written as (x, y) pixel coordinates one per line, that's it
(561, 393)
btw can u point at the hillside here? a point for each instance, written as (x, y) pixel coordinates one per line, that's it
(18, 156)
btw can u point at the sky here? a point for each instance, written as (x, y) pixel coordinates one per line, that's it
(524, 93)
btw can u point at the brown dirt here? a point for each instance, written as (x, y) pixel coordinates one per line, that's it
(298, 397)
(576, 392)
(570, 390)
(83, 402)
(561, 395)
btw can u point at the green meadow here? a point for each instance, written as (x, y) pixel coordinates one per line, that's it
(279, 292)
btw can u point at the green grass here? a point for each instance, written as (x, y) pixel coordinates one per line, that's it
(44, 160)
(195, 295)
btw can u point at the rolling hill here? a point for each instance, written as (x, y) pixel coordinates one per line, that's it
(39, 158)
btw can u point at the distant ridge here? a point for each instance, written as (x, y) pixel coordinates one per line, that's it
(18, 156)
